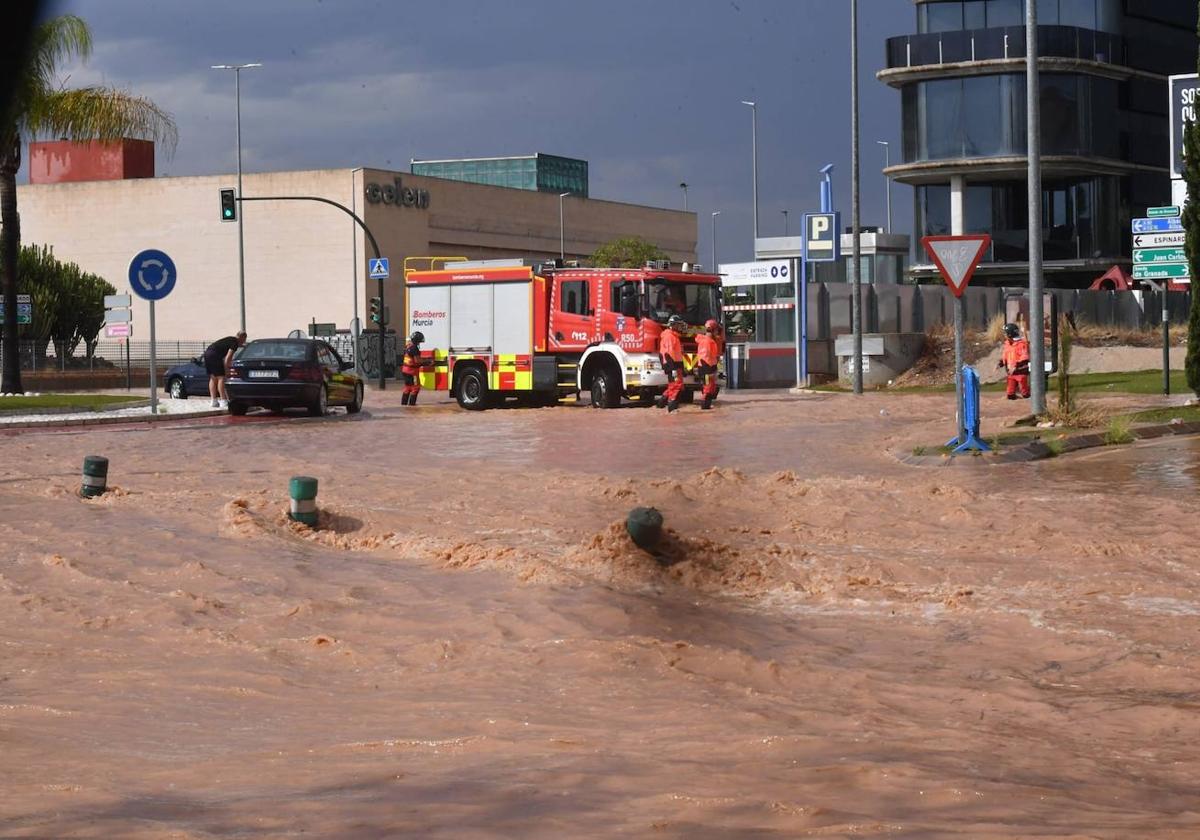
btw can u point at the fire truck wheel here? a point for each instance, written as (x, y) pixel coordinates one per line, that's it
(606, 391)
(470, 389)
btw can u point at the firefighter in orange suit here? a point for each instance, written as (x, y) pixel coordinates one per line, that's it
(410, 368)
(1015, 359)
(708, 348)
(670, 350)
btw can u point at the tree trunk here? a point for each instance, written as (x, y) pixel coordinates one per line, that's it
(10, 243)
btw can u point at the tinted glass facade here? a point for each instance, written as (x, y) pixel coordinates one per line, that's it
(1103, 118)
(543, 173)
(984, 116)
(1102, 15)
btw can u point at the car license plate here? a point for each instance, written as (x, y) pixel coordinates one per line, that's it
(264, 374)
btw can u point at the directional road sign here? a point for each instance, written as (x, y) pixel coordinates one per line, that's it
(1159, 255)
(24, 309)
(152, 275)
(1158, 240)
(821, 237)
(116, 301)
(117, 316)
(379, 268)
(1162, 271)
(118, 330)
(957, 257)
(1162, 212)
(1157, 225)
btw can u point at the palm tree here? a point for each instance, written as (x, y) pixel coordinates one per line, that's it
(41, 107)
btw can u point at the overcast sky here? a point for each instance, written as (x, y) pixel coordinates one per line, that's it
(647, 91)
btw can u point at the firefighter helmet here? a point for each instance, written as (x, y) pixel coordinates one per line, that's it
(676, 323)
(417, 338)
(711, 324)
(1012, 331)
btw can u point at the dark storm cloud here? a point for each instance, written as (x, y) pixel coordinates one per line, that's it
(648, 92)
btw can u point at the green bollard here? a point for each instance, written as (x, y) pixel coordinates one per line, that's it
(95, 476)
(303, 490)
(644, 526)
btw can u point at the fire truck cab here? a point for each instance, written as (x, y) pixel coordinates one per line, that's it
(544, 335)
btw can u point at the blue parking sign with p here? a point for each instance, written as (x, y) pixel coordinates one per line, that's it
(821, 239)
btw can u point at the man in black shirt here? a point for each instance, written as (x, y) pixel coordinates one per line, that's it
(217, 359)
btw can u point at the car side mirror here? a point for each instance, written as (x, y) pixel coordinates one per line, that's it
(344, 366)
(197, 361)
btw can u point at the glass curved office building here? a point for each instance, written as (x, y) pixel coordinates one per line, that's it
(1103, 71)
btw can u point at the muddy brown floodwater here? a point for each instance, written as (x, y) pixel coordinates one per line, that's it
(831, 643)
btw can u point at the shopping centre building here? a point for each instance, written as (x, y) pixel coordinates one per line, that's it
(304, 261)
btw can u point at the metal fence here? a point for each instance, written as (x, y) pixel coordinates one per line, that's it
(105, 355)
(905, 308)
(45, 356)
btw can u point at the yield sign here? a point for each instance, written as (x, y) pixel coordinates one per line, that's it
(957, 257)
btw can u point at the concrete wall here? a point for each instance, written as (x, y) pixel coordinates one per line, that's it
(305, 260)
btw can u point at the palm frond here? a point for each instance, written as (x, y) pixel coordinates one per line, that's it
(55, 42)
(99, 113)
(52, 43)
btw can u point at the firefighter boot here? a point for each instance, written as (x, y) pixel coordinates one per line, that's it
(412, 399)
(673, 405)
(404, 398)
(660, 401)
(707, 404)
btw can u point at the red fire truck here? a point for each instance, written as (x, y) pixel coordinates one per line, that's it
(545, 335)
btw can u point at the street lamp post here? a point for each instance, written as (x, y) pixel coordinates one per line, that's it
(683, 186)
(237, 88)
(754, 160)
(785, 227)
(562, 255)
(1033, 123)
(714, 239)
(887, 162)
(855, 219)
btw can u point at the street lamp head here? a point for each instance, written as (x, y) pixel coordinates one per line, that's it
(883, 142)
(563, 195)
(683, 185)
(234, 66)
(716, 213)
(748, 102)
(826, 169)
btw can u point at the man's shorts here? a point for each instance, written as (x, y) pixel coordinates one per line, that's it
(215, 365)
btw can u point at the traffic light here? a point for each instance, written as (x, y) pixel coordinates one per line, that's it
(376, 310)
(228, 206)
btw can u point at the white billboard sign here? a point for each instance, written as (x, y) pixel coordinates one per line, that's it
(761, 273)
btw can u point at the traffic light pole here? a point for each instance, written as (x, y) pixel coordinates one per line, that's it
(374, 247)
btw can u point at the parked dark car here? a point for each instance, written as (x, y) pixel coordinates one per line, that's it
(187, 380)
(279, 373)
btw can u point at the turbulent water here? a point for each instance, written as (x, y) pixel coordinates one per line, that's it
(828, 643)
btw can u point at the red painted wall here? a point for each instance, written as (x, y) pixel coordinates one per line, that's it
(62, 161)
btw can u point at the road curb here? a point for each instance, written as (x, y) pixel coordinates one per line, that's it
(52, 422)
(1039, 450)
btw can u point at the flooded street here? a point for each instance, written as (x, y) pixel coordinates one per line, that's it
(832, 643)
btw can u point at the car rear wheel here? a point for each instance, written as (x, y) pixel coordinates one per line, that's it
(321, 405)
(356, 404)
(470, 389)
(176, 389)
